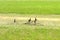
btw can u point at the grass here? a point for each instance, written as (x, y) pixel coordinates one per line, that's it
(30, 7)
(21, 31)
(26, 32)
(29, 32)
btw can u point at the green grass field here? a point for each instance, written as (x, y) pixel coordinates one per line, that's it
(30, 7)
(10, 9)
(21, 31)
(27, 32)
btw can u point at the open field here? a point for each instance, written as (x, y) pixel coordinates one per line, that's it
(30, 7)
(49, 20)
(50, 30)
(48, 23)
(26, 32)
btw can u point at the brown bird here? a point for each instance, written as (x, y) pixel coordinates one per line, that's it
(29, 20)
(35, 20)
(14, 20)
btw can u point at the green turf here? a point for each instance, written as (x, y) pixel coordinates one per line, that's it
(23, 32)
(30, 7)
(29, 32)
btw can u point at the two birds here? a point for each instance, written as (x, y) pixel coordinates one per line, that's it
(29, 21)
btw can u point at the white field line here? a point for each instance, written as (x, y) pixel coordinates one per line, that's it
(26, 18)
(39, 18)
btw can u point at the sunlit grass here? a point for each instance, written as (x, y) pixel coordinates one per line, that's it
(26, 32)
(30, 7)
